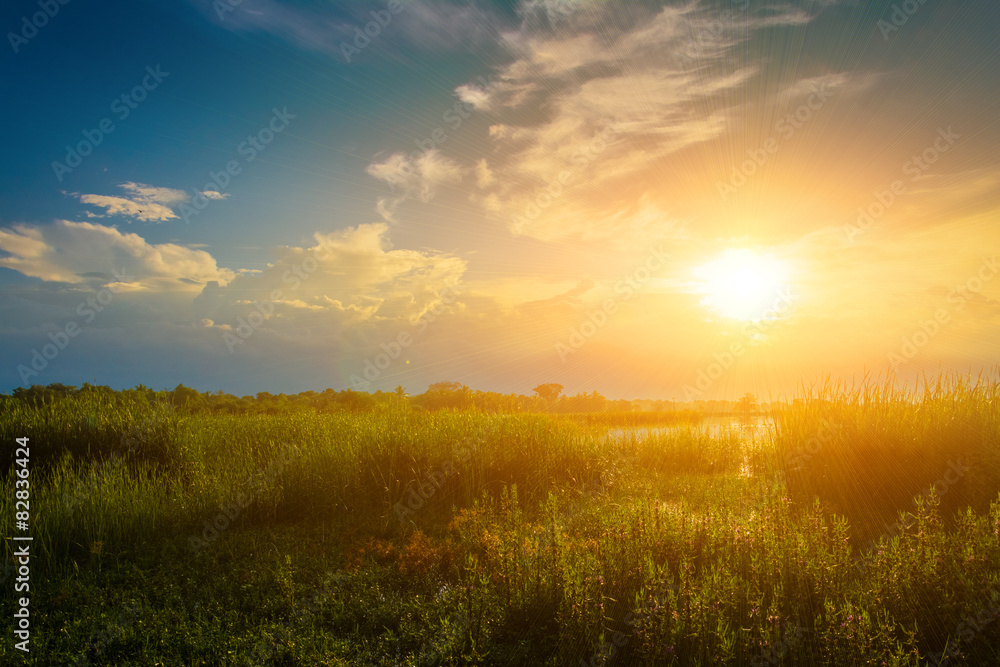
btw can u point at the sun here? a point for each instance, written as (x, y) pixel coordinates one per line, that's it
(741, 284)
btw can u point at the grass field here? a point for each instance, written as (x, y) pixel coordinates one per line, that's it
(861, 527)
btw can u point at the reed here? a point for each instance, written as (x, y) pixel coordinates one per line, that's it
(465, 537)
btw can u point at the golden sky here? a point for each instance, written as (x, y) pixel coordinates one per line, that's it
(688, 200)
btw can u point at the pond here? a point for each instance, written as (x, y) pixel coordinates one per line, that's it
(759, 425)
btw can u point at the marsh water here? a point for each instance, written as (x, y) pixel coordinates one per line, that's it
(759, 425)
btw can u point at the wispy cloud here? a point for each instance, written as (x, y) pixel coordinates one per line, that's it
(143, 202)
(325, 27)
(417, 177)
(572, 79)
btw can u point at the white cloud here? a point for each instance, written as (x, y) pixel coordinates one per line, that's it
(351, 275)
(484, 177)
(323, 28)
(659, 80)
(74, 252)
(419, 176)
(143, 202)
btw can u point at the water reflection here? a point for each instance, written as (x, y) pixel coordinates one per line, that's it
(757, 425)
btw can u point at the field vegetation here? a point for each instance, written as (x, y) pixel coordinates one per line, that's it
(855, 525)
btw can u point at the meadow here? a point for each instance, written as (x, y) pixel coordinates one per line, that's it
(861, 525)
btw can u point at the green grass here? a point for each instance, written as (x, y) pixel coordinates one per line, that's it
(432, 538)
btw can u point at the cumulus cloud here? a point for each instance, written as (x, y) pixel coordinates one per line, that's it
(143, 202)
(484, 177)
(347, 277)
(418, 175)
(77, 252)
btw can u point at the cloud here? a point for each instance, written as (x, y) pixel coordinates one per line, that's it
(143, 202)
(338, 296)
(412, 176)
(655, 82)
(484, 177)
(843, 83)
(326, 27)
(347, 277)
(80, 252)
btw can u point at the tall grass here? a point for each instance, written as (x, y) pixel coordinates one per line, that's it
(91, 426)
(868, 450)
(556, 540)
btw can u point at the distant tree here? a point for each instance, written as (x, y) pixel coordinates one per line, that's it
(183, 396)
(41, 394)
(746, 407)
(145, 391)
(445, 395)
(622, 405)
(446, 386)
(592, 402)
(355, 401)
(549, 392)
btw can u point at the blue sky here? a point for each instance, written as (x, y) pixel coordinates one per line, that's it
(421, 183)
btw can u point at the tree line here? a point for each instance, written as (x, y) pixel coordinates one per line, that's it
(438, 396)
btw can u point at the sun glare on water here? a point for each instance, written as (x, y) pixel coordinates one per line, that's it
(741, 284)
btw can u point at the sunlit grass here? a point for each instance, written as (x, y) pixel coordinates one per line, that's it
(472, 538)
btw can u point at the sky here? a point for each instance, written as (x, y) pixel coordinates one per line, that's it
(672, 200)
